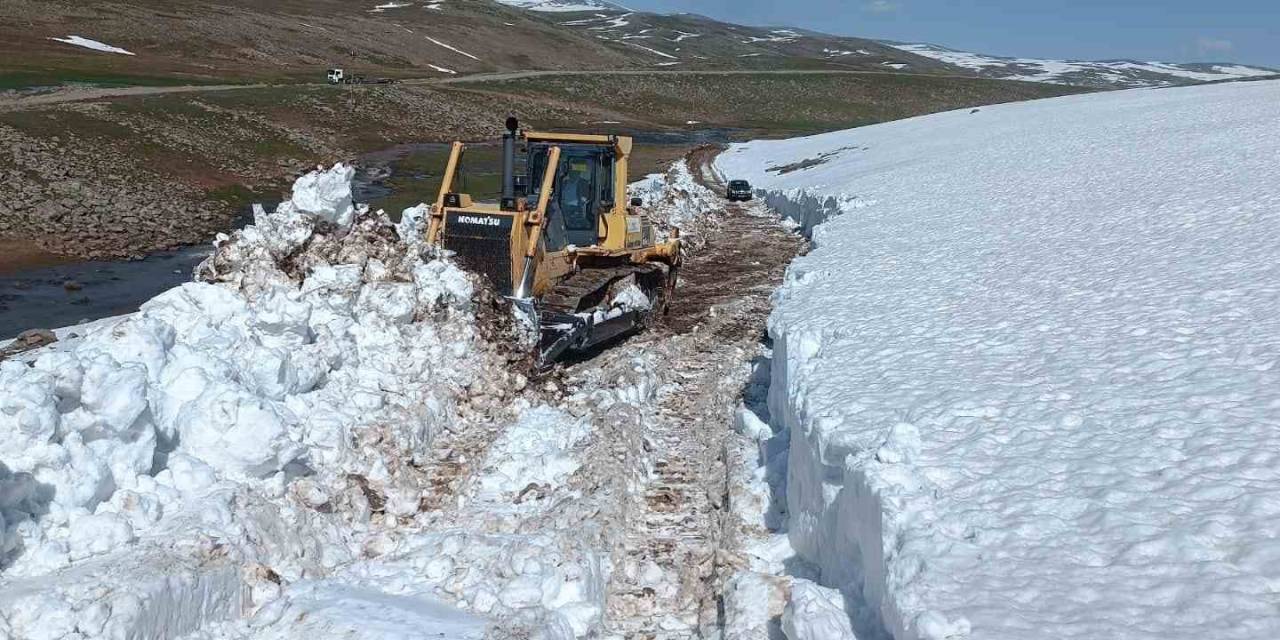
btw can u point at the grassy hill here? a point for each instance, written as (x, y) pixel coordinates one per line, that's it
(93, 173)
(192, 41)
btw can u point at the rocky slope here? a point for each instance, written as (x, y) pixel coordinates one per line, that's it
(186, 40)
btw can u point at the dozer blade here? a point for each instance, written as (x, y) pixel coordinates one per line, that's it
(563, 332)
(567, 316)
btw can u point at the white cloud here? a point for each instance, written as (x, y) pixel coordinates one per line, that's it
(880, 6)
(1206, 45)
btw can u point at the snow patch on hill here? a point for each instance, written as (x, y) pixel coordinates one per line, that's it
(1030, 379)
(562, 6)
(80, 41)
(1121, 73)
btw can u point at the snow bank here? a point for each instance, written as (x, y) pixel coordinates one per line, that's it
(804, 209)
(230, 421)
(816, 613)
(1030, 381)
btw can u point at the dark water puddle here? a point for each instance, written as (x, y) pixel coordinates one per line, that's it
(64, 295)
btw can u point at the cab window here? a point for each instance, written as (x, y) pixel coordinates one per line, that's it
(576, 193)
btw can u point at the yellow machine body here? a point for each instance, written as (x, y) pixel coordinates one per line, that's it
(567, 240)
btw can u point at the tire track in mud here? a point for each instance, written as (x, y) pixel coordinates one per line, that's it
(676, 544)
(652, 489)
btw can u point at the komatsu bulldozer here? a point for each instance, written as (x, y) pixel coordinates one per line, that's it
(562, 242)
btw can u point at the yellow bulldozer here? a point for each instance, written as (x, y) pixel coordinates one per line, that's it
(562, 242)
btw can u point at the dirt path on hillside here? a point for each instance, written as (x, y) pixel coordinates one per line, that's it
(15, 100)
(522, 75)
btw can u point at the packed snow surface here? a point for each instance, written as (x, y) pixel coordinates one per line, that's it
(1116, 72)
(1031, 372)
(92, 44)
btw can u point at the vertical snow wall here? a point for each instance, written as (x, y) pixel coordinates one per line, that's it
(835, 512)
(802, 208)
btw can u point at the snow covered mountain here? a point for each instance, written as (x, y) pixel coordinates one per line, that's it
(563, 6)
(686, 40)
(1104, 74)
(1029, 369)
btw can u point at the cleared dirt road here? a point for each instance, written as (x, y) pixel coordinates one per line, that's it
(76, 94)
(679, 523)
(654, 487)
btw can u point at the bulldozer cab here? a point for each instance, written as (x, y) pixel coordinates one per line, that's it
(560, 241)
(582, 192)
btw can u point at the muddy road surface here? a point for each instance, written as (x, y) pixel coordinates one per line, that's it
(653, 488)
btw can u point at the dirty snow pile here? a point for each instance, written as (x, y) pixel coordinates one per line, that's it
(675, 198)
(1031, 378)
(178, 465)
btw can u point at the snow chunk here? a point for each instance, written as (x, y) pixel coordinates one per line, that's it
(674, 199)
(326, 194)
(536, 451)
(816, 613)
(229, 421)
(329, 609)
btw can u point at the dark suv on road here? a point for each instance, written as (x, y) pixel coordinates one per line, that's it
(738, 190)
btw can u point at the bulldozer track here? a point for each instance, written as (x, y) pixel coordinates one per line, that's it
(677, 548)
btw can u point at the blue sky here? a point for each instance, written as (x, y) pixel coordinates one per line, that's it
(1245, 31)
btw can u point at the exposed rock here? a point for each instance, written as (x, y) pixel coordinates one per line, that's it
(28, 340)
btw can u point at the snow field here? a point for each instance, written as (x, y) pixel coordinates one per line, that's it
(1055, 71)
(1028, 377)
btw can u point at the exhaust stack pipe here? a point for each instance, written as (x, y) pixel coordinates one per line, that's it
(508, 202)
